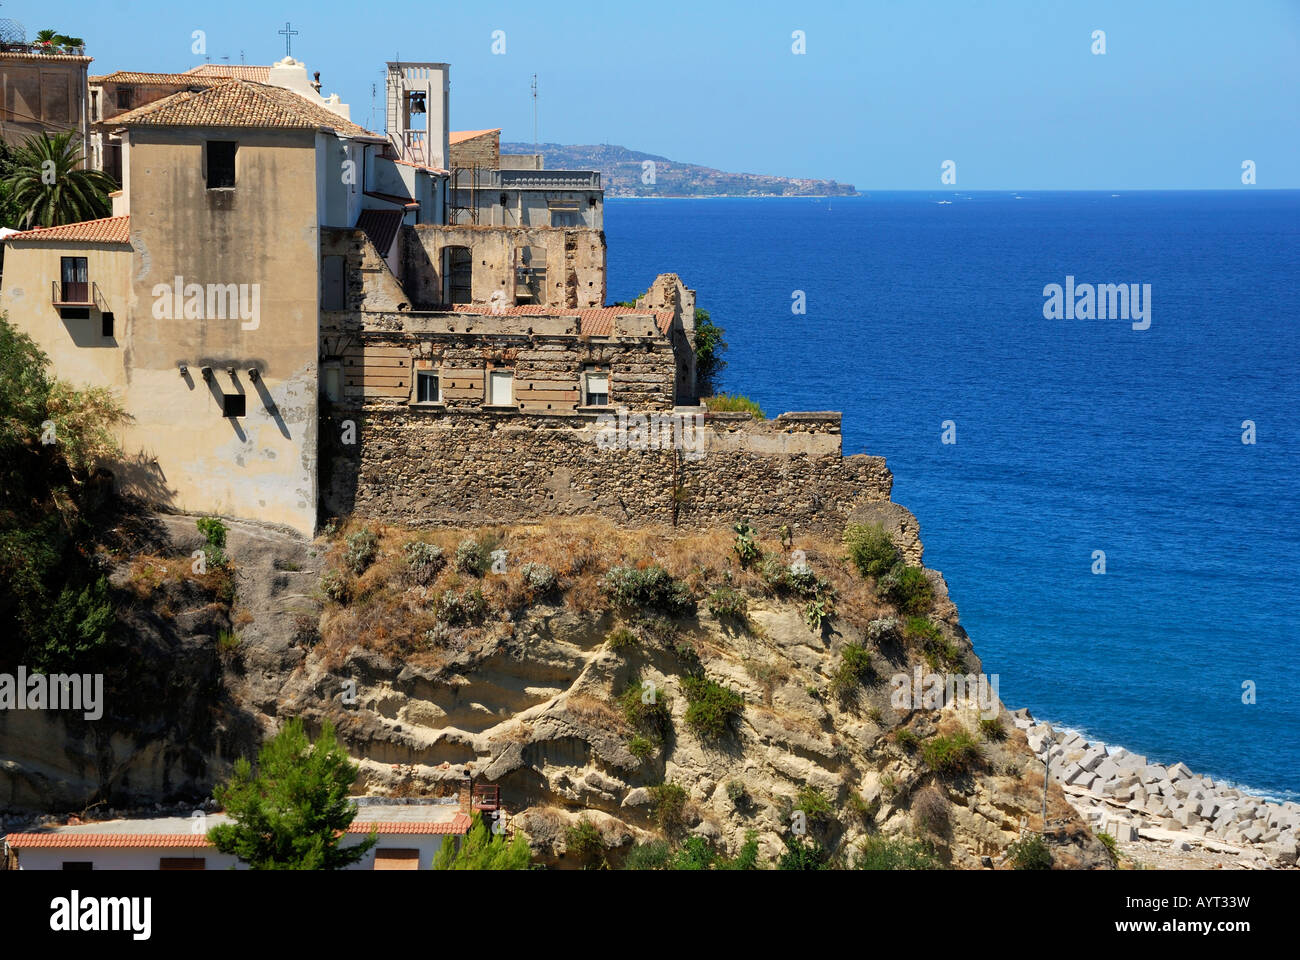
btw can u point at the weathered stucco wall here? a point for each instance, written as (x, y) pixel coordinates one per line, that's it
(427, 467)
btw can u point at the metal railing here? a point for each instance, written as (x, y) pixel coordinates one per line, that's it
(77, 293)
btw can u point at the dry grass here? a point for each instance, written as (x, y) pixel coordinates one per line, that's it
(596, 712)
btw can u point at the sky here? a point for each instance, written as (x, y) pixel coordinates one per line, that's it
(883, 95)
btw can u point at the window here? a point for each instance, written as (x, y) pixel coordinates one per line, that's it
(124, 98)
(501, 388)
(426, 387)
(596, 387)
(332, 381)
(75, 313)
(107, 319)
(78, 865)
(221, 164)
(233, 405)
(75, 287)
(332, 283)
(565, 213)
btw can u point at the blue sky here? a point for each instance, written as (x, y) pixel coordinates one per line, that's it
(886, 92)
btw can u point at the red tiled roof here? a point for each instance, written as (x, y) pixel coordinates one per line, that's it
(593, 321)
(56, 57)
(240, 71)
(421, 166)
(460, 136)
(107, 230)
(141, 77)
(381, 227)
(457, 825)
(241, 104)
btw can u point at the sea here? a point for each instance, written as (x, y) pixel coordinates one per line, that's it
(1117, 519)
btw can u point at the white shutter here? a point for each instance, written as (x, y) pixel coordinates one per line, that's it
(502, 392)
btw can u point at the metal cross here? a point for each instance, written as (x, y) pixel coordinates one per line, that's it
(288, 34)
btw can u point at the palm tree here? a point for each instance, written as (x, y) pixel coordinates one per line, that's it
(47, 40)
(46, 188)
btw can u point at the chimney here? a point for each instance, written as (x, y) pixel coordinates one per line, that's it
(315, 81)
(466, 796)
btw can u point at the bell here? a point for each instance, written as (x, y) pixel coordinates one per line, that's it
(417, 103)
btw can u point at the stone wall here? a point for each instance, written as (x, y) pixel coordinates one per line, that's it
(481, 151)
(439, 467)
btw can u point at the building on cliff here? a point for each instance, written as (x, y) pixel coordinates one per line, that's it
(305, 318)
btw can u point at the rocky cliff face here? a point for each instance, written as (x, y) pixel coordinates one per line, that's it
(534, 696)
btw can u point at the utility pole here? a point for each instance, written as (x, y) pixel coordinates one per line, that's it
(1048, 742)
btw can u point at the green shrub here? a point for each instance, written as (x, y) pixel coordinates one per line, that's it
(653, 719)
(360, 550)
(871, 549)
(906, 739)
(1030, 853)
(728, 603)
(992, 728)
(1110, 843)
(473, 557)
(640, 747)
(940, 653)
(738, 794)
(746, 546)
(816, 806)
(213, 530)
(734, 403)
(335, 586)
(228, 640)
(539, 579)
(907, 588)
(696, 853)
(746, 857)
(668, 806)
(425, 561)
(651, 855)
(950, 755)
(621, 639)
(711, 706)
(775, 574)
(803, 854)
(855, 669)
(75, 628)
(651, 590)
(467, 607)
(895, 853)
(584, 843)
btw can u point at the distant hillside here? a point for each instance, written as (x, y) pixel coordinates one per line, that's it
(621, 172)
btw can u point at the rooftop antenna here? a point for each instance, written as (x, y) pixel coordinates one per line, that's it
(241, 56)
(534, 113)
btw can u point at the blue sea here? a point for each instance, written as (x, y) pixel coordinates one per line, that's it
(1073, 436)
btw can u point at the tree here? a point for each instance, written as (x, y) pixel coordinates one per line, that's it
(46, 188)
(294, 812)
(708, 352)
(483, 850)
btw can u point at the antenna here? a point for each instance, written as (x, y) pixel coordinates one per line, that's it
(534, 113)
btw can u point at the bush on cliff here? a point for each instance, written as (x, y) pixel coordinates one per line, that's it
(950, 755)
(907, 588)
(652, 590)
(711, 706)
(855, 669)
(895, 853)
(424, 560)
(871, 549)
(734, 403)
(1030, 853)
(473, 557)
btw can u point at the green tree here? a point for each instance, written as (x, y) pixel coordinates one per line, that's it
(293, 813)
(46, 188)
(709, 346)
(483, 850)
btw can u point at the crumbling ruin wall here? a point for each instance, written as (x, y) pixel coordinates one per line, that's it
(574, 256)
(440, 467)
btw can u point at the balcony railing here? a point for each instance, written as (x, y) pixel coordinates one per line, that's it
(80, 293)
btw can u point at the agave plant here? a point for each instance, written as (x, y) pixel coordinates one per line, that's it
(46, 187)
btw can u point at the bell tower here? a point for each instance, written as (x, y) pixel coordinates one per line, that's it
(416, 112)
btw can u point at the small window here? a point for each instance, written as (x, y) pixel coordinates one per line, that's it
(565, 214)
(426, 387)
(221, 164)
(75, 313)
(124, 95)
(332, 286)
(107, 319)
(501, 388)
(332, 381)
(597, 388)
(232, 405)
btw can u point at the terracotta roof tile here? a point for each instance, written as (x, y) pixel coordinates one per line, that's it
(594, 321)
(135, 76)
(107, 230)
(460, 136)
(241, 104)
(56, 57)
(240, 71)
